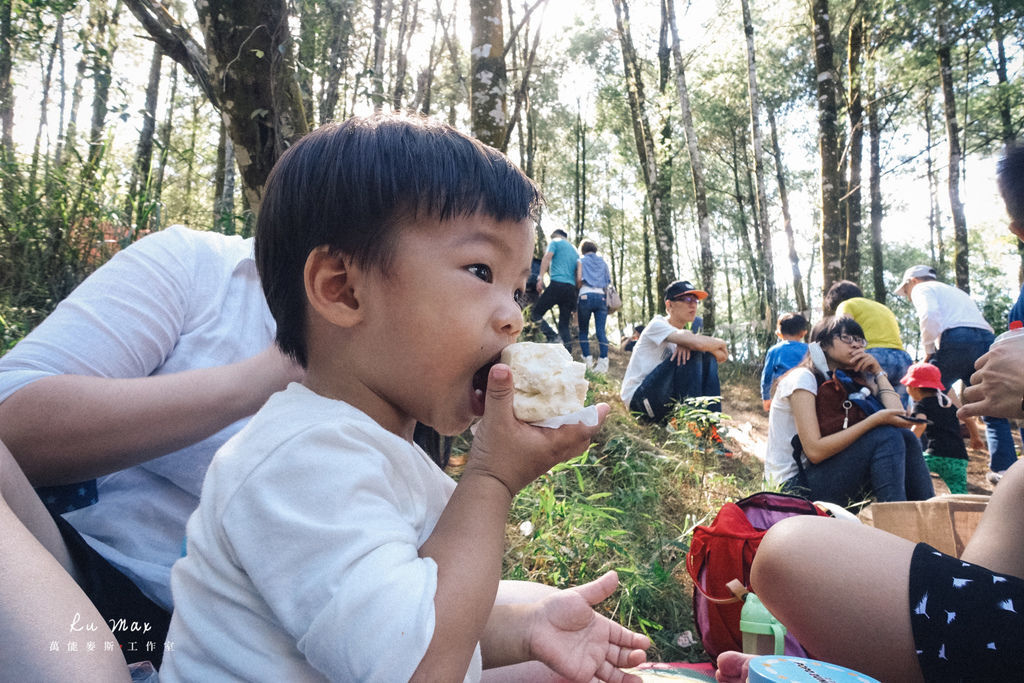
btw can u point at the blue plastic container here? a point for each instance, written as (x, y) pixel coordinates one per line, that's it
(772, 669)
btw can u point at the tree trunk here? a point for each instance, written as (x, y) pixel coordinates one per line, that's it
(875, 174)
(489, 82)
(247, 71)
(44, 106)
(156, 220)
(960, 265)
(655, 184)
(139, 186)
(787, 220)
(308, 21)
(6, 91)
(381, 20)
(580, 177)
(337, 56)
(101, 30)
(831, 219)
(851, 265)
(707, 260)
(406, 27)
(764, 229)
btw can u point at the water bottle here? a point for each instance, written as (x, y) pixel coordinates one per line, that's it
(763, 634)
(1016, 331)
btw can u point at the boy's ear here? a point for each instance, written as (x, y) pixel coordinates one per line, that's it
(1017, 229)
(329, 279)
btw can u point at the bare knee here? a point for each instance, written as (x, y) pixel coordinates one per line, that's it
(781, 558)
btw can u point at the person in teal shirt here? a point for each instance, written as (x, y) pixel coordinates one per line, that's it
(559, 263)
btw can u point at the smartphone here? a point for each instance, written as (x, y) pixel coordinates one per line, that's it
(920, 420)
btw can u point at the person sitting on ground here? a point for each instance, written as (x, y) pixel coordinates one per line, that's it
(791, 329)
(323, 530)
(136, 378)
(559, 263)
(876, 456)
(592, 276)
(670, 362)
(629, 342)
(943, 444)
(881, 329)
(955, 334)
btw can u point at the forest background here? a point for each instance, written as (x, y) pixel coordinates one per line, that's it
(761, 150)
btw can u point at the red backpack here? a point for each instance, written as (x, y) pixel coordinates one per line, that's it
(724, 551)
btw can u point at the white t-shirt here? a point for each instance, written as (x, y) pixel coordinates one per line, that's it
(941, 307)
(650, 350)
(303, 554)
(176, 300)
(779, 465)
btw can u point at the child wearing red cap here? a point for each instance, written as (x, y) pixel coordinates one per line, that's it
(944, 449)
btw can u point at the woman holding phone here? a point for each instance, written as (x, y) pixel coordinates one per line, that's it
(874, 455)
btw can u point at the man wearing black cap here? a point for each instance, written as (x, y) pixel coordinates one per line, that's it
(671, 361)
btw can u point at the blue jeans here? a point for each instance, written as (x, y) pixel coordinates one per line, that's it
(886, 462)
(959, 347)
(895, 363)
(669, 382)
(592, 302)
(560, 294)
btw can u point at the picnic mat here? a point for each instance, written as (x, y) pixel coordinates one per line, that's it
(674, 671)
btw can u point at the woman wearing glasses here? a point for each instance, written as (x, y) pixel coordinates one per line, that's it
(819, 442)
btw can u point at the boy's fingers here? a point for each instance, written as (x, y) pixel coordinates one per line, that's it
(499, 385)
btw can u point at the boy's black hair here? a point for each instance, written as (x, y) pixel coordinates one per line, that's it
(558, 232)
(792, 323)
(352, 186)
(588, 247)
(1010, 177)
(838, 293)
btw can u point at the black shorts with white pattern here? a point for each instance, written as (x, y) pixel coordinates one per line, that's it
(967, 620)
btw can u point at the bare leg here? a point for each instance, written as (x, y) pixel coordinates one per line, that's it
(40, 602)
(842, 589)
(996, 543)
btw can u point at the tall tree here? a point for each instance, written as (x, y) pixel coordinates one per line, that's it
(828, 145)
(855, 112)
(139, 185)
(655, 184)
(960, 265)
(787, 219)
(700, 193)
(764, 229)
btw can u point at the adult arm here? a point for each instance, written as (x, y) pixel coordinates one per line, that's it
(579, 274)
(545, 264)
(98, 425)
(685, 339)
(96, 386)
(927, 311)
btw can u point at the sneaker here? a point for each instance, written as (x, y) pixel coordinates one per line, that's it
(589, 362)
(601, 366)
(994, 477)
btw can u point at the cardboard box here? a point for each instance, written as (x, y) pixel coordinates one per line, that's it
(945, 522)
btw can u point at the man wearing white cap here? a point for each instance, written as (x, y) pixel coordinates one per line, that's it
(955, 334)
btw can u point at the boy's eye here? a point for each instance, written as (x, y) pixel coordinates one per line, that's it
(481, 271)
(519, 296)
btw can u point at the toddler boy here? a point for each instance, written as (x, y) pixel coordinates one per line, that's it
(393, 252)
(944, 449)
(791, 330)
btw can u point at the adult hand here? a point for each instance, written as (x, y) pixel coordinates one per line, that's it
(681, 355)
(578, 643)
(997, 386)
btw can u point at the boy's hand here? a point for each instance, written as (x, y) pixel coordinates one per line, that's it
(578, 643)
(513, 452)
